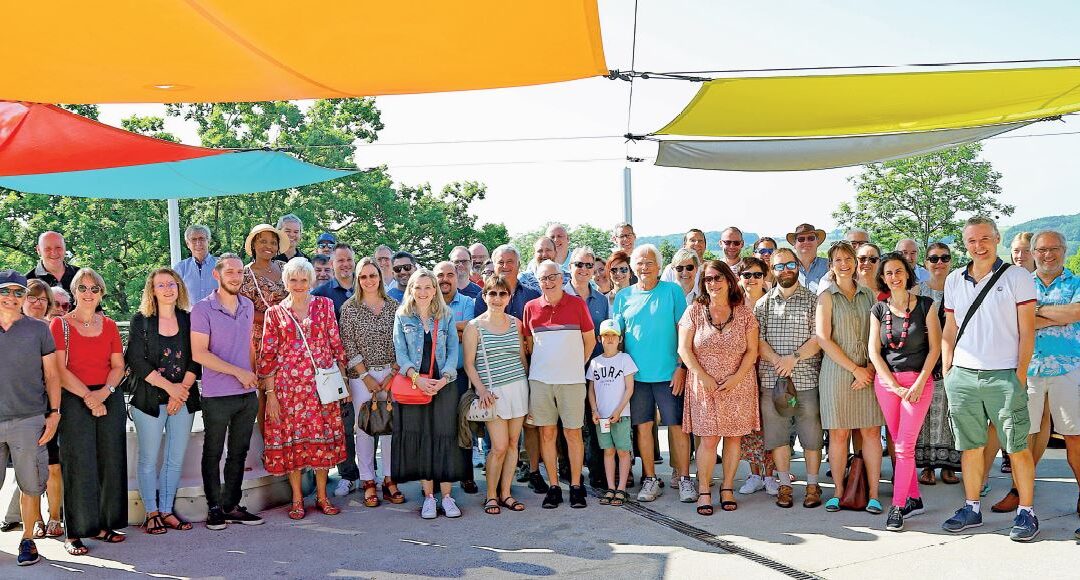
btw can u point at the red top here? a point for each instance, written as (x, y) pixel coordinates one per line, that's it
(88, 357)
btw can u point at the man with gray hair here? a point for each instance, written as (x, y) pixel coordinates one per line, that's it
(292, 227)
(857, 237)
(479, 254)
(557, 234)
(462, 261)
(909, 248)
(198, 270)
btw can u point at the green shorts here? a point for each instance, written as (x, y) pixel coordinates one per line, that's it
(618, 437)
(977, 398)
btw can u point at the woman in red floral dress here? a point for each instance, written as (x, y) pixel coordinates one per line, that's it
(300, 432)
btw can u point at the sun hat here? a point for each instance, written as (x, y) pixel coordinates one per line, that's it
(12, 278)
(806, 228)
(283, 242)
(609, 326)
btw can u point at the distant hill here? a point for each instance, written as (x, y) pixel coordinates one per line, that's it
(1069, 225)
(712, 239)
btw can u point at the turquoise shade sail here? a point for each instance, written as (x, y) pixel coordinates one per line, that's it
(226, 174)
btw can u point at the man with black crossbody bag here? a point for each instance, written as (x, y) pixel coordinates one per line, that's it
(987, 344)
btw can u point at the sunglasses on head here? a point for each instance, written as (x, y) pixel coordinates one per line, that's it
(620, 269)
(944, 258)
(586, 265)
(402, 268)
(871, 259)
(749, 275)
(497, 294)
(686, 268)
(785, 266)
(16, 292)
(95, 289)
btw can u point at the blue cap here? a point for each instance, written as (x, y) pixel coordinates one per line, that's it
(12, 278)
(609, 326)
(326, 237)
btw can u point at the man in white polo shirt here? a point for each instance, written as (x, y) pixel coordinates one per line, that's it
(559, 333)
(985, 357)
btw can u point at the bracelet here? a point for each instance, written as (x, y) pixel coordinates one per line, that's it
(269, 391)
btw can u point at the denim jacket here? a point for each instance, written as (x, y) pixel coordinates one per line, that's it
(409, 345)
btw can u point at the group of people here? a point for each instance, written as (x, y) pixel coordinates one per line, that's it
(573, 360)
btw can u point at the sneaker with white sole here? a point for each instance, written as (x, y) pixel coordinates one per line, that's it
(450, 508)
(688, 492)
(430, 510)
(650, 489)
(754, 483)
(344, 487)
(772, 485)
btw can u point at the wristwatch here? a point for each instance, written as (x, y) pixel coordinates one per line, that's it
(796, 355)
(1038, 307)
(111, 388)
(363, 375)
(50, 411)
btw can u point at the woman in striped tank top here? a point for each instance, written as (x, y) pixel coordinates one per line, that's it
(495, 364)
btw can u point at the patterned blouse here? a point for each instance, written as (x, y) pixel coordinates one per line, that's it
(368, 337)
(263, 293)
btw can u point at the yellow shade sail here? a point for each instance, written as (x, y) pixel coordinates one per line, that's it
(163, 51)
(813, 106)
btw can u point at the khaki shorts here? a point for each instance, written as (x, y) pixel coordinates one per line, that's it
(980, 397)
(1063, 393)
(549, 403)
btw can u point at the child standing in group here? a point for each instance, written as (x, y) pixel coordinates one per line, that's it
(611, 384)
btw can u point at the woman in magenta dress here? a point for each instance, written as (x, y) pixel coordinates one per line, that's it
(718, 343)
(300, 432)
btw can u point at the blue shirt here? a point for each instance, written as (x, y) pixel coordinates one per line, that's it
(599, 310)
(516, 306)
(333, 290)
(810, 277)
(472, 290)
(648, 319)
(1057, 348)
(396, 293)
(199, 278)
(461, 307)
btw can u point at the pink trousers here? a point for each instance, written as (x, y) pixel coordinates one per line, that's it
(904, 421)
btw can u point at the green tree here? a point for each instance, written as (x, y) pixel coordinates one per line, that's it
(582, 236)
(1073, 262)
(926, 198)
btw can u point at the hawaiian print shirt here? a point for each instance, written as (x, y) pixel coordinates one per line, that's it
(1057, 348)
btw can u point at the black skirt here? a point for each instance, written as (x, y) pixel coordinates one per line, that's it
(426, 441)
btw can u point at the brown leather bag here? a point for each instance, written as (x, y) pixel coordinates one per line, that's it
(856, 488)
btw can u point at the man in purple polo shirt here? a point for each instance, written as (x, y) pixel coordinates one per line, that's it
(221, 342)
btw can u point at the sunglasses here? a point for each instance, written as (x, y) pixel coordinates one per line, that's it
(368, 277)
(944, 258)
(731, 242)
(803, 239)
(785, 266)
(749, 275)
(95, 289)
(16, 292)
(497, 294)
(326, 244)
(871, 259)
(64, 306)
(402, 268)
(686, 268)
(711, 279)
(765, 251)
(620, 269)
(586, 265)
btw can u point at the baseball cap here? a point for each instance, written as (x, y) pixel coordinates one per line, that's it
(12, 278)
(609, 326)
(326, 237)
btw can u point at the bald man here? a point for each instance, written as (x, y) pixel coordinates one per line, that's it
(52, 267)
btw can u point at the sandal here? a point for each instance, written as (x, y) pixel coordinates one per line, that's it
(327, 508)
(394, 495)
(512, 504)
(620, 497)
(111, 537)
(728, 505)
(373, 499)
(833, 505)
(491, 507)
(705, 509)
(607, 497)
(153, 525)
(76, 547)
(948, 476)
(55, 529)
(175, 523)
(297, 511)
(39, 530)
(927, 477)
(874, 506)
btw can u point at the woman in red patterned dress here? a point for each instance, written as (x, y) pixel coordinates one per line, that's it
(300, 432)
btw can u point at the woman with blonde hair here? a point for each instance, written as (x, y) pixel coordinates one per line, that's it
(164, 398)
(425, 435)
(686, 265)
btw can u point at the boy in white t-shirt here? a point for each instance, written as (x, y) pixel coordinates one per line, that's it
(611, 384)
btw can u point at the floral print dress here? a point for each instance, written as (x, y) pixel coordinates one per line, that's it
(263, 293)
(308, 434)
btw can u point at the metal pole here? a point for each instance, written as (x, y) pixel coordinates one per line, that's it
(174, 230)
(628, 196)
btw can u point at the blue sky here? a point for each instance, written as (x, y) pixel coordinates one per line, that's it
(1039, 174)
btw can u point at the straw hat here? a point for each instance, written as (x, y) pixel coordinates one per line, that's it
(803, 229)
(283, 242)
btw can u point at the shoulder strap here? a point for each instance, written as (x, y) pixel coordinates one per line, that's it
(300, 329)
(258, 290)
(483, 350)
(67, 340)
(979, 300)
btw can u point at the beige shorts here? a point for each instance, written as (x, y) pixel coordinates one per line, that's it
(549, 403)
(1063, 393)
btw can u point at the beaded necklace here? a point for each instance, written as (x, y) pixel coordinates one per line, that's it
(903, 329)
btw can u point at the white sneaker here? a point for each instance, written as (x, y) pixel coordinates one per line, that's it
(449, 507)
(650, 489)
(429, 511)
(344, 487)
(688, 493)
(754, 483)
(772, 486)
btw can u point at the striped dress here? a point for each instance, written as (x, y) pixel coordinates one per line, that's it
(841, 406)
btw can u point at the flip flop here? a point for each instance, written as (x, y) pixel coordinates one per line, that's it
(111, 537)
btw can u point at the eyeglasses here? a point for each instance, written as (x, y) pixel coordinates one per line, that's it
(943, 258)
(686, 268)
(36, 299)
(624, 236)
(95, 289)
(855, 243)
(711, 279)
(765, 251)
(551, 277)
(620, 269)
(402, 268)
(62, 306)
(785, 266)
(497, 294)
(16, 292)
(749, 275)
(1044, 251)
(871, 259)
(803, 239)
(166, 286)
(368, 277)
(586, 265)
(463, 262)
(731, 242)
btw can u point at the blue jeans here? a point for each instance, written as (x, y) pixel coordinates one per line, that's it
(158, 488)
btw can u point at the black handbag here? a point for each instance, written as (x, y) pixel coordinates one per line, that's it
(376, 417)
(130, 382)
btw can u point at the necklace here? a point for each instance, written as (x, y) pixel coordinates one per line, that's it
(719, 327)
(903, 329)
(85, 324)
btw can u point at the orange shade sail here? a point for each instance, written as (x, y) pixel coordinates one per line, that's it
(167, 51)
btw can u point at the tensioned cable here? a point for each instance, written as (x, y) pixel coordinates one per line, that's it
(630, 98)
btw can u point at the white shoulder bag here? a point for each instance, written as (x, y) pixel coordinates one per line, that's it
(328, 381)
(478, 412)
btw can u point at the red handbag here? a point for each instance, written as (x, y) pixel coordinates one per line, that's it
(402, 388)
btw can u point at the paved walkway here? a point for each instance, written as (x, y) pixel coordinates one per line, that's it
(661, 539)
